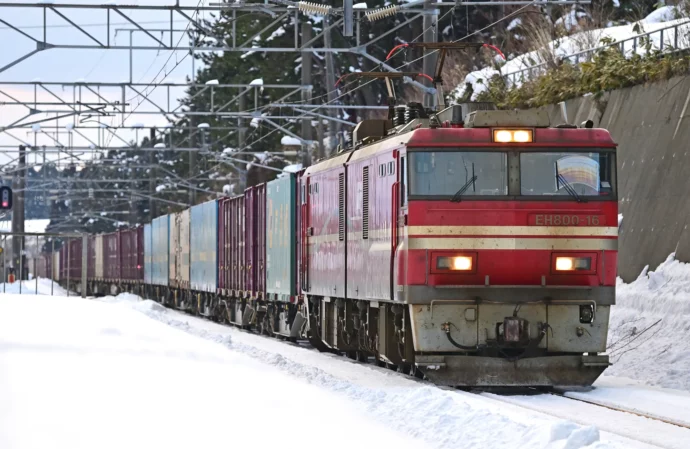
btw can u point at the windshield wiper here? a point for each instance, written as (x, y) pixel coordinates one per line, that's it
(458, 194)
(569, 188)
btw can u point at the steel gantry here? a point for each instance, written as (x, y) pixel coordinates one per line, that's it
(82, 118)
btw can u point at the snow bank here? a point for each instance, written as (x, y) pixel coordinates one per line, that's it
(649, 326)
(37, 226)
(661, 18)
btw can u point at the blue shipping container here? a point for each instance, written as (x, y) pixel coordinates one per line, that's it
(280, 238)
(148, 256)
(160, 238)
(204, 245)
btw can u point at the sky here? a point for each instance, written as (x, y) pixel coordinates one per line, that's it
(93, 65)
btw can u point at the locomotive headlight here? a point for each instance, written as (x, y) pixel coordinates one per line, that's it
(457, 263)
(573, 263)
(513, 135)
(462, 263)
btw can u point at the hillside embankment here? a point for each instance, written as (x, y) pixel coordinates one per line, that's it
(651, 124)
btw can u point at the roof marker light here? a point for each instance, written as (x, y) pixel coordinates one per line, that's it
(513, 135)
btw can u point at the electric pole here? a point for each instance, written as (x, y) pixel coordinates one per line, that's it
(430, 36)
(306, 95)
(18, 257)
(333, 126)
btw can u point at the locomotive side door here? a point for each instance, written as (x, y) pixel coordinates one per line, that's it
(399, 211)
(304, 234)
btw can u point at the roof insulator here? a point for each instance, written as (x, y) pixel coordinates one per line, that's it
(381, 13)
(314, 8)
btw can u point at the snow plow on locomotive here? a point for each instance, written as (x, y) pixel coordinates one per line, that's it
(478, 249)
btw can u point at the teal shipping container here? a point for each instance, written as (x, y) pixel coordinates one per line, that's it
(281, 241)
(160, 244)
(203, 238)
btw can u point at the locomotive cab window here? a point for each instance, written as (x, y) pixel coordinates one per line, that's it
(559, 173)
(453, 174)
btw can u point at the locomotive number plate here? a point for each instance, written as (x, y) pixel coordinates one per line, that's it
(565, 220)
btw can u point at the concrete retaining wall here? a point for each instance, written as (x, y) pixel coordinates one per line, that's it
(651, 125)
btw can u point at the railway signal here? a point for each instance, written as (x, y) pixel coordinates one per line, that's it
(5, 198)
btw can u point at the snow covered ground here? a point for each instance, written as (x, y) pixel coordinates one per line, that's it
(76, 373)
(125, 372)
(661, 18)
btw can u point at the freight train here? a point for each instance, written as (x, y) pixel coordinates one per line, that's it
(473, 247)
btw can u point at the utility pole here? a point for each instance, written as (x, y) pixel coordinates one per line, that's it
(192, 159)
(333, 126)
(430, 35)
(152, 179)
(19, 259)
(306, 95)
(242, 133)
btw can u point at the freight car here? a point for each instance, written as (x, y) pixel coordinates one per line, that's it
(473, 247)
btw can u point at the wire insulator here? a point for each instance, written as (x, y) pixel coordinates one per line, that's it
(381, 13)
(314, 8)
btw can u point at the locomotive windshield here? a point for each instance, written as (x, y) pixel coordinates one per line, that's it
(566, 173)
(553, 172)
(449, 172)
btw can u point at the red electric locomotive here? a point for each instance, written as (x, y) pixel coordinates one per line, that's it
(475, 246)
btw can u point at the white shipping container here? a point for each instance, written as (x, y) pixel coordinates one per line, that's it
(98, 246)
(182, 259)
(172, 249)
(178, 260)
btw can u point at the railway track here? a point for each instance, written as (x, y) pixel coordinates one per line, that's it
(632, 425)
(663, 419)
